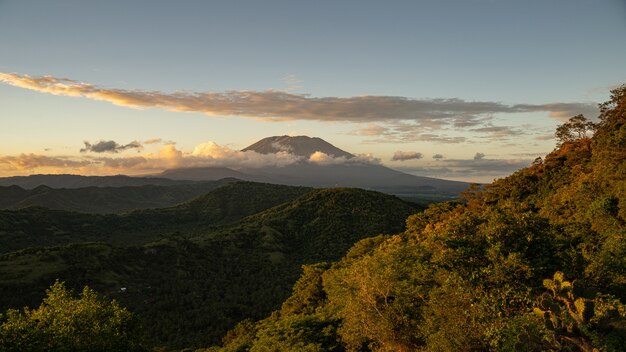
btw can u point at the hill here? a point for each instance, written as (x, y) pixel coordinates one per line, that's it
(79, 181)
(104, 199)
(39, 226)
(207, 173)
(192, 271)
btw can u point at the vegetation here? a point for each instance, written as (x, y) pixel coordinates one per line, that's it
(65, 323)
(534, 262)
(105, 199)
(192, 271)
(38, 226)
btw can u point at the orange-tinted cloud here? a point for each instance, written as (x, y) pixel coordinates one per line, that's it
(33, 163)
(272, 105)
(207, 154)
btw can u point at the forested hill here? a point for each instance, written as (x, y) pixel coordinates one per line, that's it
(105, 199)
(39, 226)
(534, 262)
(192, 271)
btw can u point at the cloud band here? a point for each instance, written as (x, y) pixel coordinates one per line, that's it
(272, 105)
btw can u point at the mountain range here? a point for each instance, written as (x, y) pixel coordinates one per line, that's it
(345, 170)
(105, 199)
(342, 170)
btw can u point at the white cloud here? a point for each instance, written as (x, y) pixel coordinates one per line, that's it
(478, 170)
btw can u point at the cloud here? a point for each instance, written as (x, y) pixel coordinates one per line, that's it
(402, 132)
(209, 154)
(403, 156)
(545, 137)
(109, 147)
(325, 159)
(438, 156)
(33, 161)
(292, 82)
(153, 141)
(429, 137)
(212, 154)
(479, 156)
(282, 147)
(371, 130)
(498, 132)
(321, 158)
(121, 163)
(563, 111)
(365, 158)
(476, 170)
(272, 105)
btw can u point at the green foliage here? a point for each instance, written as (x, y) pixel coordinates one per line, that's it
(308, 291)
(306, 333)
(193, 271)
(65, 323)
(576, 322)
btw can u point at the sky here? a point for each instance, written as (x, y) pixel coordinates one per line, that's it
(466, 89)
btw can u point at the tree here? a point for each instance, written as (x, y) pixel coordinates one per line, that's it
(65, 323)
(576, 127)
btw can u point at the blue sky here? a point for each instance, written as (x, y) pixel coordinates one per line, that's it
(512, 53)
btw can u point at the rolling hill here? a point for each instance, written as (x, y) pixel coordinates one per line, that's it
(79, 181)
(192, 271)
(104, 199)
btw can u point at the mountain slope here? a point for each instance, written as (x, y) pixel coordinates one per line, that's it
(361, 175)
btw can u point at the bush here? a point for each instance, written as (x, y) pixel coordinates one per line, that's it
(65, 323)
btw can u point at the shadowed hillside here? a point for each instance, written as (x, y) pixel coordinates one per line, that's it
(194, 270)
(104, 199)
(79, 181)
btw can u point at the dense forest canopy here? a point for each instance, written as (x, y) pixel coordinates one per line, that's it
(192, 271)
